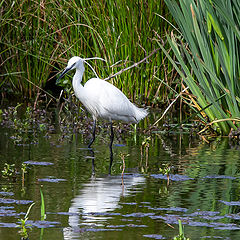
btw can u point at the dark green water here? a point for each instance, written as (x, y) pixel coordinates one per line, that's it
(84, 202)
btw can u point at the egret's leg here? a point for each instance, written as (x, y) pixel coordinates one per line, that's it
(93, 134)
(110, 148)
(111, 160)
(93, 164)
(111, 136)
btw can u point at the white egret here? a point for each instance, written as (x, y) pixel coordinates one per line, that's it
(102, 99)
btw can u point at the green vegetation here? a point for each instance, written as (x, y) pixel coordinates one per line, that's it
(23, 221)
(181, 232)
(208, 52)
(165, 170)
(27, 122)
(43, 212)
(23, 232)
(8, 170)
(37, 37)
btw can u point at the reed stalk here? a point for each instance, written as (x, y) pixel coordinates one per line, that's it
(207, 52)
(38, 37)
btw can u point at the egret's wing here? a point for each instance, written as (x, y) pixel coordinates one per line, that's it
(109, 101)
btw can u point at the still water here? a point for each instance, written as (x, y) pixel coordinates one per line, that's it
(135, 201)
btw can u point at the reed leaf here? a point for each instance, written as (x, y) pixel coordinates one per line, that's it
(210, 58)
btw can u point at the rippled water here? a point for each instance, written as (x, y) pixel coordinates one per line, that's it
(84, 202)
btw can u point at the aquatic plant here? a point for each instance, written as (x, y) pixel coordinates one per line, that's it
(23, 221)
(144, 152)
(8, 170)
(165, 170)
(123, 156)
(24, 171)
(181, 232)
(27, 123)
(23, 232)
(207, 49)
(43, 212)
(1, 112)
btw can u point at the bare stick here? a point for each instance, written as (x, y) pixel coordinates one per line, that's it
(134, 65)
(170, 105)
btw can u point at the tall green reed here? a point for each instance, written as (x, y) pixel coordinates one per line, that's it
(38, 35)
(208, 54)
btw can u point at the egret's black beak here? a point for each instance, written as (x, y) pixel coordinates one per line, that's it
(67, 69)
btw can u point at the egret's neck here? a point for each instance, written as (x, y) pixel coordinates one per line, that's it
(76, 82)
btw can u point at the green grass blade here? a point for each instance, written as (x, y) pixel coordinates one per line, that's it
(43, 212)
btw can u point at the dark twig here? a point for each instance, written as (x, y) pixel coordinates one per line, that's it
(134, 65)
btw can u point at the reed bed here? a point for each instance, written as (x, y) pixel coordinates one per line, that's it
(208, 59)
(38, 37)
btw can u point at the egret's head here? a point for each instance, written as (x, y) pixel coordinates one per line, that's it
(74, 62)
(78, 63)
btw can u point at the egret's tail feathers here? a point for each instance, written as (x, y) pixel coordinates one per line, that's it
(140, 113)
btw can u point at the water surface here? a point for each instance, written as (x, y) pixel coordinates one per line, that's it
(84, 201)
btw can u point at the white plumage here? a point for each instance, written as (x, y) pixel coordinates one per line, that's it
(101, 98)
